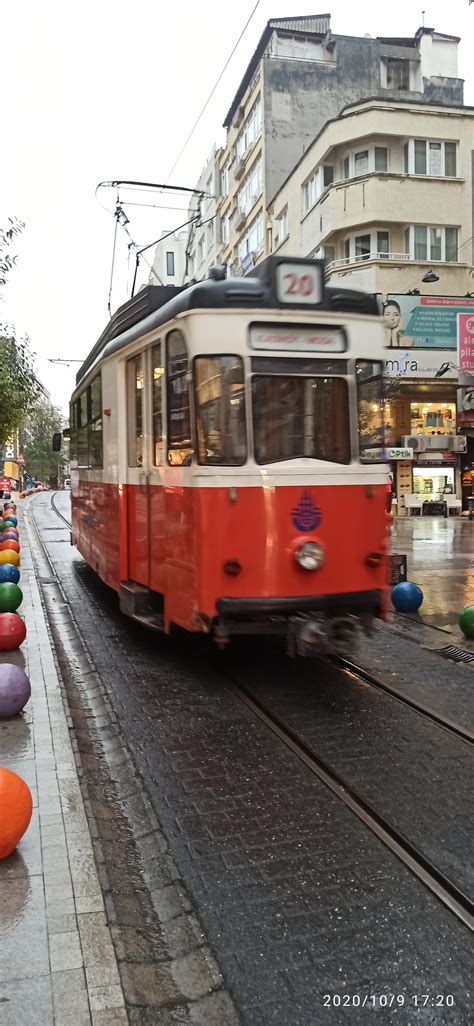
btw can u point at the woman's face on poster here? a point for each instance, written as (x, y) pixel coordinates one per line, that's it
(392, 316)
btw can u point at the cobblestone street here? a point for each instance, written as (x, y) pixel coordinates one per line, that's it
(214, 843)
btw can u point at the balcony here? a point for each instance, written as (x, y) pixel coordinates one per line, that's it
(384, 198)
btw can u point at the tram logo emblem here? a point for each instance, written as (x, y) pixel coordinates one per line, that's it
(306, 516)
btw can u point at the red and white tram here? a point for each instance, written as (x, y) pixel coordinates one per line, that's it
(224, 448)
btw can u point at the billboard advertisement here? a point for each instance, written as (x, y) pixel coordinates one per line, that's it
(424, 322)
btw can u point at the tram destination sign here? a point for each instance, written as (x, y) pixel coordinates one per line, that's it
(316, 340)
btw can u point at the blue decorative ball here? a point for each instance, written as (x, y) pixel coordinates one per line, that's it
(9, 574)
(10, 520)
(407, 597)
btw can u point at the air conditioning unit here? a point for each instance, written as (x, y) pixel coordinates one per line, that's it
(239, 169)
(457, 443)
(436, 443)
(240, 218)
(415, 442)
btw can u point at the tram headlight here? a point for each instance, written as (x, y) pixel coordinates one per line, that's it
(309, 556)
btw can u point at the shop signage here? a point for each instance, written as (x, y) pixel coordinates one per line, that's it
(466, 342)
(437, 459)
(424, 322)
(408, 365)
(398, 454)
(317, 339)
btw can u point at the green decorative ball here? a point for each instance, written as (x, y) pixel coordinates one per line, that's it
(466, 622)
(11, 596)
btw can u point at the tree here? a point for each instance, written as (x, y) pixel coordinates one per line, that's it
(17, 380)
(40, 460)
(18, 386)
(7, 235)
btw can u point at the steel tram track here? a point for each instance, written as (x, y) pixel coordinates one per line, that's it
(424, 710)
(434, 879)
(60, 515)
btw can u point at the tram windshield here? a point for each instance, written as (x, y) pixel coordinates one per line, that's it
(369, 377)
(300, 416)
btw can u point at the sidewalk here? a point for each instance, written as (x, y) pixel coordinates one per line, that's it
(57, 962)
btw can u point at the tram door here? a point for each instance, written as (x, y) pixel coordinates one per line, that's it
(137, 490)
(145, 491)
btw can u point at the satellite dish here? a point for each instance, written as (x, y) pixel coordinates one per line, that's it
(367, 35)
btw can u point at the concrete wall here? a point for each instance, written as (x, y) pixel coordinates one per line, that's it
(300, 96)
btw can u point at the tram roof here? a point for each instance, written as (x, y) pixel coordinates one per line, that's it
(157, 304)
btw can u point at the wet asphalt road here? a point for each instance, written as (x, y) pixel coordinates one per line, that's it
(440, 558)
(297, 899)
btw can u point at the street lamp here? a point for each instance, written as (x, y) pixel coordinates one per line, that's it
(430, 278)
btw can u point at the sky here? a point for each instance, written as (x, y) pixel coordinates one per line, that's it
(109, 89)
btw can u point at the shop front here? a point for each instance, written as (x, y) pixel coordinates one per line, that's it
(421, 419)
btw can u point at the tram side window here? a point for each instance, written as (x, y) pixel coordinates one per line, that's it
(297, 416)
(220, 410)
(135, 392)
(73, 431)
(95, 422)
(180, 448)
(157, 384)
(82, 431)
(369, 377)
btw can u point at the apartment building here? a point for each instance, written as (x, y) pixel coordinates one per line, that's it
(300, 77)
(204, 233)
(169, 261)
(385, 195)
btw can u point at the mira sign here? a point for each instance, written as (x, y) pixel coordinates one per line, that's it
(407, 364)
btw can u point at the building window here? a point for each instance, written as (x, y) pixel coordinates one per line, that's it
(201, 250)
(362, 247)
(251, 188)
(430, 157)
(281, 227)
(421, 246)
(383, 240)
(371, 246)
(423, 242)
(451, 244)
(319, 180)
(250, 131)
(361, 163)
(170, 265)
(380, 158)
(310, 192)
(210, 235)
(365, 162)
(225, 229)
(252, 241)
(224, 178)
(398, 73)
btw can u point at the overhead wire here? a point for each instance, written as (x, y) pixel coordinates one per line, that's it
(211, 94)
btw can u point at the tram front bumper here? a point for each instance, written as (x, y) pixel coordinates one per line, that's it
(315, 624)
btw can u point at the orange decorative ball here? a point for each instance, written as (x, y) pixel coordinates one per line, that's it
(16, 806)
(8, 556)
(10, 544)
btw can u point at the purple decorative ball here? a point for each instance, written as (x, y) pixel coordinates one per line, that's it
(15, 689)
